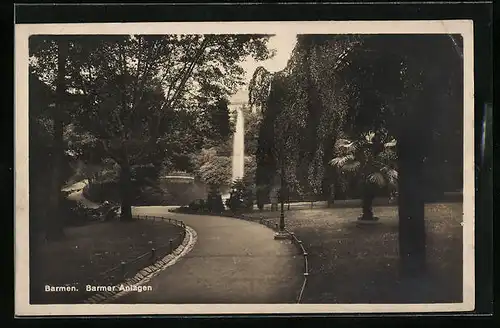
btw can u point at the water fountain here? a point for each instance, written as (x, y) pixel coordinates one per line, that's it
(238, 156)
(183, 182)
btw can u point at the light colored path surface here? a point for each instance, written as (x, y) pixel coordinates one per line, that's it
(233, 261)
(77, 194)
(77, 186)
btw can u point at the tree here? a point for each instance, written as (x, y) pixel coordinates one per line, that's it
(213, 169)
(87, 154)
(372, 162)
(310, 94)
(252, 124)
(41, 101)
(241, 195)
(131, 85)
(250, 168)
(410, 85)
(414, 98)
(219, 120)
(59, 50)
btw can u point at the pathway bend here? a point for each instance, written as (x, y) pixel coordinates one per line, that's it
(233, 261)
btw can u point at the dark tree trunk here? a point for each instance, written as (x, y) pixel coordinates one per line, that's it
(328, 187)
(367, 202)
(411, 207)
(330, 202)
(125, 192)
(55, 226)
(334, 187)
(330, 176)
(260, 198)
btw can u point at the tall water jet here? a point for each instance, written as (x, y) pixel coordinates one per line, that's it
(238, 159)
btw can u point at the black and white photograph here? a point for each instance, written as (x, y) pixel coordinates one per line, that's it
(257, 167)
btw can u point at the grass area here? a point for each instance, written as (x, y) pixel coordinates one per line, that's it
(359, 264)
(88, 252)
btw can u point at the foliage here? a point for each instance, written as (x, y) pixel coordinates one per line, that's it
(140, 95)
(130, 85)
(241, 196)
(250, 168)
(102, 191)
(197, 206)
(342, 85)
(213, 169)
(370, 160)
(252, 124)
(214, 202)
(74, 213)
(44, 149)
(219, 121)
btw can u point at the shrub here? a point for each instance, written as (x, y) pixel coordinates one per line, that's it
(151, 196)
(197, 206)
(73, 213)
(241, 196)
(101, 191)
(214, 202)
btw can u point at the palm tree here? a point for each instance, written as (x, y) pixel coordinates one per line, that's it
(371, 160)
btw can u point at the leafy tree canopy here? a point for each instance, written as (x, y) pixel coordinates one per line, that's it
(132, 86)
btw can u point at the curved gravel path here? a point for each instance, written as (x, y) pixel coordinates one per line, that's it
(233, 261)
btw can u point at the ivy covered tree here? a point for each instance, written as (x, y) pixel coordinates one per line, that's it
(310, 94)
(252, 125)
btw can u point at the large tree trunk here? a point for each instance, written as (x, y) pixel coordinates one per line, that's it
(411, 207)
(55, 226)
(125, 192)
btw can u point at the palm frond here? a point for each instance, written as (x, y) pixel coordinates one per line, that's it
(392, 176)
(340, 161)
(345, 145)
(351, 166)
(369, 136)
(391, 144)
(377, 178)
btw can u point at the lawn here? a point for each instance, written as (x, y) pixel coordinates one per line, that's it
(88, 253)
(358, 264)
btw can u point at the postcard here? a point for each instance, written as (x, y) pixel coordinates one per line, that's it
(244, 167)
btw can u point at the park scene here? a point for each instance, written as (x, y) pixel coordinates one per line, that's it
(246, 168)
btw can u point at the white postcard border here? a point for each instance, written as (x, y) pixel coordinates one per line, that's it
(22, 33)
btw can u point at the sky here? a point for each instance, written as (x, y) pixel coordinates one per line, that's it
(283, 43)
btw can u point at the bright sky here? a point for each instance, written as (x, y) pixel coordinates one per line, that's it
(283, 44)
